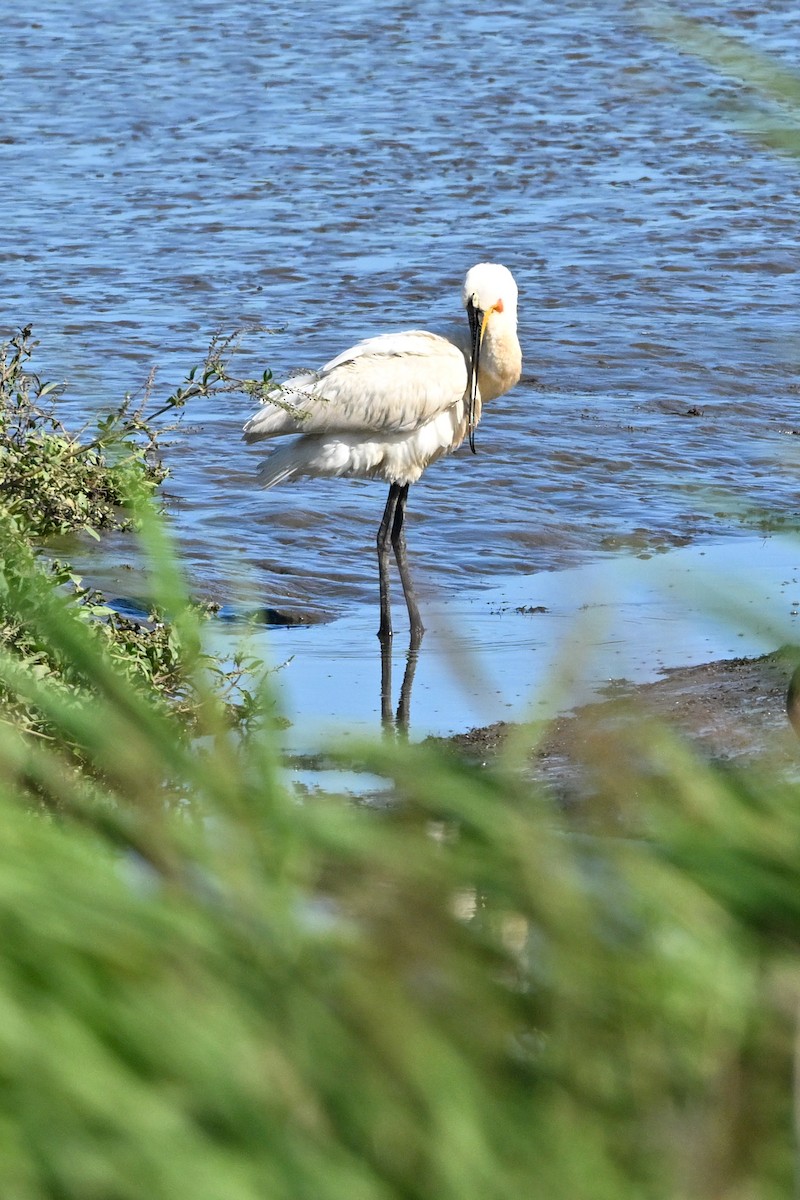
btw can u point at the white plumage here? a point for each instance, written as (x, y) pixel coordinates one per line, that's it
(392, 404)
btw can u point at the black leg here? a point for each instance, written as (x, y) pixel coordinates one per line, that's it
(399, 546)
(385, 539)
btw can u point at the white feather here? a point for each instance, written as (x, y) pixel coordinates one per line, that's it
(421, 372)
(392, 404)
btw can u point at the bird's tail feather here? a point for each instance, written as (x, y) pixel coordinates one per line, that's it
(282, 465)
(269, 474)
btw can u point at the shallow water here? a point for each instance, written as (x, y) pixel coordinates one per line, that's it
(529, 647)
(175, 168)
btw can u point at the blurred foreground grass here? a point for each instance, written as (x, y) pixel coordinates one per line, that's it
(210, 989)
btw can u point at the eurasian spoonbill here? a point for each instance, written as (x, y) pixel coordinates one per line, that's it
(391, 405)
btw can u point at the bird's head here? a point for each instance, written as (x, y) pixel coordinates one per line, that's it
(489, 289)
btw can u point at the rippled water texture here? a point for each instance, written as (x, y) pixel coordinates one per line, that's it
(175, 168)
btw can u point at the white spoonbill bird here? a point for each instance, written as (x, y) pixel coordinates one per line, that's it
(391, 405)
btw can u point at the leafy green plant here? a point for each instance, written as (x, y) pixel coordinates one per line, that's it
(48, 478)
(53, 480)
(148, 654)
(56, 480)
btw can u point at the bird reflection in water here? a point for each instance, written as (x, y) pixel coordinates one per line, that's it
(390, 719)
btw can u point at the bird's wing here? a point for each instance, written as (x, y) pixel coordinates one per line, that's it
(388, 384)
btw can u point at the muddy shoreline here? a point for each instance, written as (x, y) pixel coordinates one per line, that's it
(731, 712)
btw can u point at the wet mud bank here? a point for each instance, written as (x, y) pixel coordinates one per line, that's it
(731, 712)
